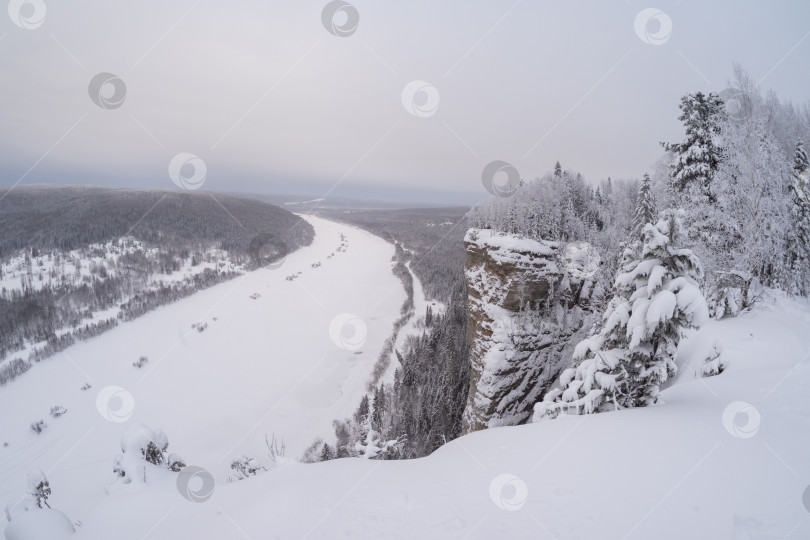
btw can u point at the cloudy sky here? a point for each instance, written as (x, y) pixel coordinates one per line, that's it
(272, 101)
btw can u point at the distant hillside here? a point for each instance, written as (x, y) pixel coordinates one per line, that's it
(77, 261)
(67, 218)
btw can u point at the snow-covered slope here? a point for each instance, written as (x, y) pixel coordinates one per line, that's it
(271, 358)
(724, 457)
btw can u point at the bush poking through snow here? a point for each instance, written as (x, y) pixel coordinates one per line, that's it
(39, 489)
(275, 449)
(714, 364)
(57, 411)
(656, 299)
(144, 454)
(245, 467)
(39, 426)
(31, 517)
(140, 362)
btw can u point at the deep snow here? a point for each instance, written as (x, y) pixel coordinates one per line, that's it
(676, 470)
(722, 457)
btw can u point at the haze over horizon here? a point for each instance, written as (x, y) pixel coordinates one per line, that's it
(285, 106)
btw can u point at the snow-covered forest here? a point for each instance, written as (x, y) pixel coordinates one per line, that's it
(383, 270)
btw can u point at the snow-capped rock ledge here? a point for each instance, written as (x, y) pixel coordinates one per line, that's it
(525, 298)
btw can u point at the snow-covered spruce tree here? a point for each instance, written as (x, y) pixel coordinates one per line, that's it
(656, 299)
(645, 207)
(698, 156)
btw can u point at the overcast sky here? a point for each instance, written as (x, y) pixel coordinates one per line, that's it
(271, 101)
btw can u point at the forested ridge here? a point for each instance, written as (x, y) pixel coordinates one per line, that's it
(68, 254)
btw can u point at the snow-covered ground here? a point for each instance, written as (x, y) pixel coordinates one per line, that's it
(724, 457)
(276, 356)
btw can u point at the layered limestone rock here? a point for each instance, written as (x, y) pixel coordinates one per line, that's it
(525, 301)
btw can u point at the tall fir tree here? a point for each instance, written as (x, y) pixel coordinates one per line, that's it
(698, 156)
(645, 207)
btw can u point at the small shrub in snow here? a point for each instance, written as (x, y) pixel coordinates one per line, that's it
(144, 454)
(175, 463)
(38, 426)
(275, 449)
(199, 326)
(140, 362)
(39, 489)
(714, 364)
(86, 386)
(57, 411)
(245, 467)
(31, 517)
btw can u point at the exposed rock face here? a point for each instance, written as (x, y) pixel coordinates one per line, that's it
(525, 301)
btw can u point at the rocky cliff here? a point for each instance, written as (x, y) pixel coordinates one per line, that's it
(526, 299)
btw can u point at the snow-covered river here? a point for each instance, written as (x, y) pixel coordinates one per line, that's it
(277, 356)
